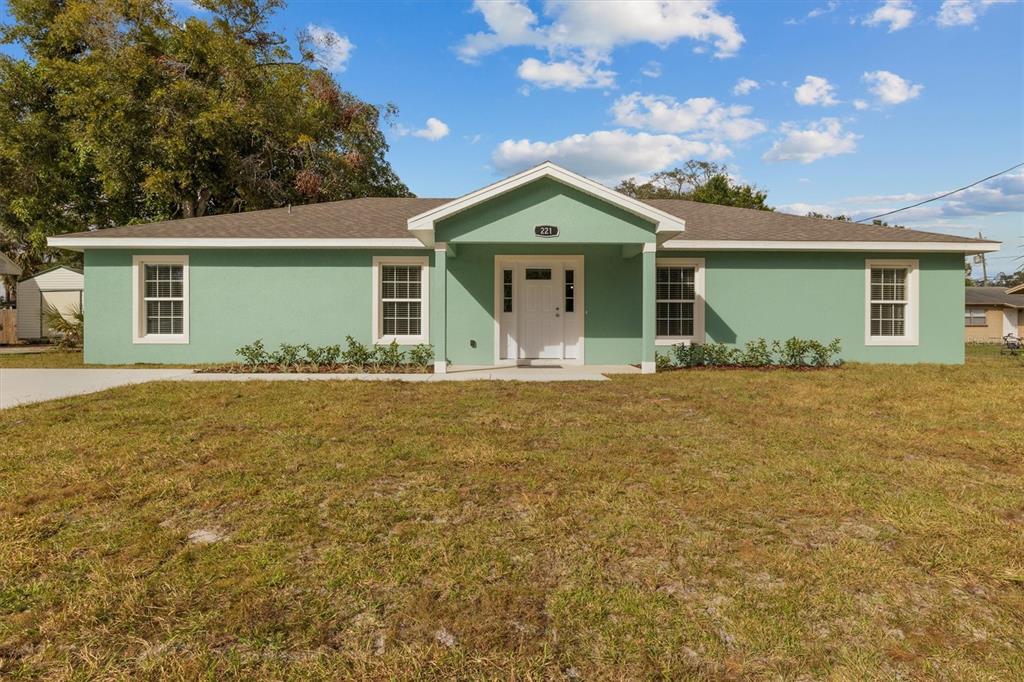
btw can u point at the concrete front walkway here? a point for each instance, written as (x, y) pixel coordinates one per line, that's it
(21, 386)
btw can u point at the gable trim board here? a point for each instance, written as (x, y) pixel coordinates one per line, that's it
(309, 275)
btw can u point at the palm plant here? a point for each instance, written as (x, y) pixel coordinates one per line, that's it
(67, 328)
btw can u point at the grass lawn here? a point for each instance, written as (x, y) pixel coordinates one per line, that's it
(60, 359)
(860, 523)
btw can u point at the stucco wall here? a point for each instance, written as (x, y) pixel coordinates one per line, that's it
(320, 296)
(992, 332)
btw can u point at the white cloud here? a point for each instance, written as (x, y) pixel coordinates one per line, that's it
(652, 69)
(588, 32)
(434, 130)
(704, 117)
(963, 12)
(890, 88)
(331, 50)
(831, 6)
(860, 105)
(607, 155)
(897, 13)
(568, 75)
(815, 90)
(820, 139)
(744, 86)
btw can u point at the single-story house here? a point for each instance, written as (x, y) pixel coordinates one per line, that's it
(546, 266)
(990, 313)
(59, 287)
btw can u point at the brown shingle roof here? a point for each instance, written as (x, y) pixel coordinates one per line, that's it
(993, 296)
(386, 218)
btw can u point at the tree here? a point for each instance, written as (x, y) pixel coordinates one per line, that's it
(703, 181)
(123, 113)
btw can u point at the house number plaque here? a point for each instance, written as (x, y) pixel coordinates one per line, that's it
(546, 231)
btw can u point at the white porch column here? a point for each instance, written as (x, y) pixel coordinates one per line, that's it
(647, 360)
(439, 308)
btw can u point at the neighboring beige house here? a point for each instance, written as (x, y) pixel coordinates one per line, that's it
(60, 287)
(990, 313)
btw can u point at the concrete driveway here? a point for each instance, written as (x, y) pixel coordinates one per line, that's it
(20, 386)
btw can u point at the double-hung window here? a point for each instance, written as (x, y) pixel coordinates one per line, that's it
(975, 317)
(892, 297)
(679, 300)
(400, 300)
(160, 299)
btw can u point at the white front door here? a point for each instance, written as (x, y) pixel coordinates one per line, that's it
(541, 329)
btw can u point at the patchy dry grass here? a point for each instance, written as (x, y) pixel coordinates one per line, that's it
(65, 359)
(864, 523)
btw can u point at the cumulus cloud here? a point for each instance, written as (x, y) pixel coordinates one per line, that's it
(744, 86)
(568, 75)
(818, 140)
(330, 49)
(588, 33)
(890, 88)
(433, 130)
(815, 90)
(897, 13)
(703, 117)
(607, 155)
(963, 12)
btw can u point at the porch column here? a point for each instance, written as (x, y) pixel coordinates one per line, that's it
(647, 364)
(439, 308)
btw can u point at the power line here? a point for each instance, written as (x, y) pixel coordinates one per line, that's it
(941, 196)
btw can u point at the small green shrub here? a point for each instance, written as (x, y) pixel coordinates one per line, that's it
(689, 355)
(821, 355)
(421, 355)
(662, 362)
(253, 354)
(288, 355)
(792, 352)
(389, 356)
(756, 354)
(356, 354)
(323, 356)
(721, 355)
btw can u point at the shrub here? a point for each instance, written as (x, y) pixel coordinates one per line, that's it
(323, 356)
(721, 355)
(662, 362)
(689, 355)
(390, 356)
(69, 332)
(756, 354)
(792, 352)
(253, 354)
(356, 354)
(421, 355)
(288, 355)
(821, 355)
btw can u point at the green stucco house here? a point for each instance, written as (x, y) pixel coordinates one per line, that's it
(546, 266)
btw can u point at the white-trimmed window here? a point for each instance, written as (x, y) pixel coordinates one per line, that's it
(400, 299)
(160, 299)
(679, 300)
(891, 306)
(975, 317)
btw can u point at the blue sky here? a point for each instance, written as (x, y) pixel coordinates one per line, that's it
(848, 107)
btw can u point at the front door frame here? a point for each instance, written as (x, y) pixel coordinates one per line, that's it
(574, 262)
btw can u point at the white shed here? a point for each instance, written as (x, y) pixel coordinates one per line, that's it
(61, 287)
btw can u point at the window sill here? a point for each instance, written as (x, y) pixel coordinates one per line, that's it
(675, 341)
(890, 341)
(402, 340)
(162, 339)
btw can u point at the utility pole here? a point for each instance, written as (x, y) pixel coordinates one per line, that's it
(984, 265)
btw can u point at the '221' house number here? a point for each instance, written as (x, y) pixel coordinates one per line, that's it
(546, 231)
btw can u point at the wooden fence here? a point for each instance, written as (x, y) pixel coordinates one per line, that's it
(8, 325)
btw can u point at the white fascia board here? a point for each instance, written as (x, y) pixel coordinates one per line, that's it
(664, 222)
(82, 243)
(741, 245)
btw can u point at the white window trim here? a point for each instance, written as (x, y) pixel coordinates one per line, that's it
(378, 304)
(910, 338)
(139, 334)
(698, 300)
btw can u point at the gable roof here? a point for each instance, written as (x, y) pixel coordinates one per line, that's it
(993, 296)
(1019, 289)
(386, 223)
(8, 266)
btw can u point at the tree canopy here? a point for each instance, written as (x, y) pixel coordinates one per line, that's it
(123, 112)
(703, 181)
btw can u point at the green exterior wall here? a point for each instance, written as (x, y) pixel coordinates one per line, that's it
(321, 296)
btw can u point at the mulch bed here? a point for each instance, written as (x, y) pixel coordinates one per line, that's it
(235, 368)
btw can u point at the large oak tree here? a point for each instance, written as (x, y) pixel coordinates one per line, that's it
(122, 112)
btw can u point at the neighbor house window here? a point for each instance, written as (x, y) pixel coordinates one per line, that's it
(679, 300)
(975, 317)
(400, 300)
(160, 293)
(891, 302)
